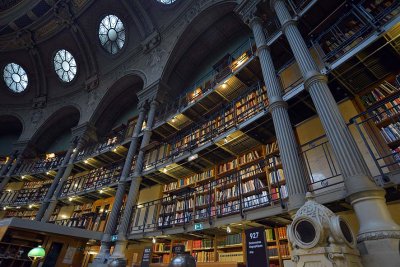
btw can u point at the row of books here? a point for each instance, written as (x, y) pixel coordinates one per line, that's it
(228, 193)
(220, 122)
(230, 256)
(280, 192)
(252, 185)
(276, 176)
(251, 171)
(253, 201)
(230, 240)
(204, 256)
(391, 132)
(189, 180)
(202, 243)
(249, 157)
(376, 7)
(162, 247)
(96, 178)
(184, 204)
(32, 195)
(39, 165)
(86, 206)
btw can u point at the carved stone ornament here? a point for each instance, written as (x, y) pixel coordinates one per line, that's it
(155, 59)
(36, 116)
(319, 236)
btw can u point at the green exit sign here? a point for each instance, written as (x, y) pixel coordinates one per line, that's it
(198, 226)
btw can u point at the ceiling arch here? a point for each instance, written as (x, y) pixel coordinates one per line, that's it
(211, 29)
(61, 121)
(121, 96)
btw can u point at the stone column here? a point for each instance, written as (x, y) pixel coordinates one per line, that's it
(118, 256)
(50, 193)
(14, 165)
(288, 148)
(104, 253)
(52, 204)
(379, 235)
(8, 163)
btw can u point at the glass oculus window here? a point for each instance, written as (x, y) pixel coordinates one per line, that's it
(166, 2)
(15, 77)
(112, 34)
(65, 65)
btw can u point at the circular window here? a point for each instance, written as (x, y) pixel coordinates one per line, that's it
(112, 34)
(166, 2)
(15, 77)
(305, 231)
(65, 65)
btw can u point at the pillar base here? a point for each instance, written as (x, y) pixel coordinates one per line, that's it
(381, 252)
(118, 262)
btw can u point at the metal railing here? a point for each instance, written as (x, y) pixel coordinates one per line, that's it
(237, 192)
(249, 104)
(41, 165)
(356, 24)
(208, 82)
(379, 128)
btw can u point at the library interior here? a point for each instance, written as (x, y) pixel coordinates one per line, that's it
(257, 133)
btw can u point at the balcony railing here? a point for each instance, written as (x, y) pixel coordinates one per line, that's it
(208, 82)
(252, 102)
(94, 180)
(379, 128)
(357, 23)
(235, 193)
(41, 165)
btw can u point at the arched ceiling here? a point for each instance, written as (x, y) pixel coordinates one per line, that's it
(10, 125)
(209, 32)
(120, 97)
(61, 121)
(31, 32)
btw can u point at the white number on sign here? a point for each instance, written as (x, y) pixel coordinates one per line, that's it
(254, 235)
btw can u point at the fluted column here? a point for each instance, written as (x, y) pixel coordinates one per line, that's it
(104, 253)
(14, 165)
(56, 181)
(52, 204)
(119, 252)
(288, 148)
(366, 198)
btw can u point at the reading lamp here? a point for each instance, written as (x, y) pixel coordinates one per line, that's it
(36, 253)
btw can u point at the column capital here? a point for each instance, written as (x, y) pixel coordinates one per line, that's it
(313, 77)
(277, 102)
(84, 131)
(247, 10)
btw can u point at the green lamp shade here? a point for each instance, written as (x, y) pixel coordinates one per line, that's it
(37, 252)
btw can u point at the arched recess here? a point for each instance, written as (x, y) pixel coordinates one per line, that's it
(118, 104)
(10, 129)
(214, 30)
(55, 132)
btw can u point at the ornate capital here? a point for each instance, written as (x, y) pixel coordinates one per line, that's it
(25, 39)
(247, 9)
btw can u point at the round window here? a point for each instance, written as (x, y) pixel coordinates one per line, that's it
(15, 77)
(65, 65)
(112, 34)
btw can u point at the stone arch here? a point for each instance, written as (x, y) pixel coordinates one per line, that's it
(11, 127)
(58, 123)
(121, 96)
(204, 28)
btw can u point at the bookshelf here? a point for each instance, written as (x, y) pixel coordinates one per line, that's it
(26, 214)
(42, 164)
(381, 102)
(82, 217)
(251, 103)
(94, 179)
(277, 245)
(14, 254)
(224, 249)
(250, 180)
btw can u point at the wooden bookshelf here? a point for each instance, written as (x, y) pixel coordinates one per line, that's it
(250, 104)
(250, 180)
(92, 180)
(224, 250)
(381, 101)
